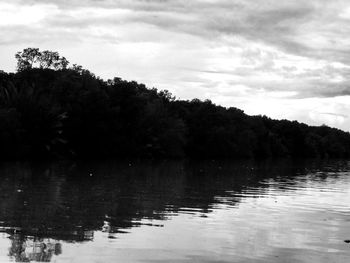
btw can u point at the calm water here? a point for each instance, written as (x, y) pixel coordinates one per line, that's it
(175, 212)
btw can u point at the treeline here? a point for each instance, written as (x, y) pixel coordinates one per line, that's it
(49, 111)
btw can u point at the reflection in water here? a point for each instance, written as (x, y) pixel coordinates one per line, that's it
(212, 211)
(25, 249)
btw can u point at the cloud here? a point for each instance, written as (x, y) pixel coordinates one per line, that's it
(301, 28)
(335, 114)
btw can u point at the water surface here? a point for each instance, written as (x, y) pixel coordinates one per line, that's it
(277, 211)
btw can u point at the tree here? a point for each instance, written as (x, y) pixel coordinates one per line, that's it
(77, 68)
(46, 59)
(62, 63)
(27, 58)
(71, 112)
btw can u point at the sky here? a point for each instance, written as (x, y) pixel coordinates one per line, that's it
(284, 59)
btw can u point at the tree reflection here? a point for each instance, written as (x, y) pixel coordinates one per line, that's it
(41, 204)
(26, 249)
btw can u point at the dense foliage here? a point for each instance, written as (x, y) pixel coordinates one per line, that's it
(68, 112)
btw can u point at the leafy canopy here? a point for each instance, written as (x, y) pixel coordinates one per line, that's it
(32, 57)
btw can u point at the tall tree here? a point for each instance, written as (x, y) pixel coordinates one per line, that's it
(48, 59)
(27, 58)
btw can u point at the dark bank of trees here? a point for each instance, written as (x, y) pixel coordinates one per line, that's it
(49, 109)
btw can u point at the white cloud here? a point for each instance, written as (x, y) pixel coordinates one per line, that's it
(11, 14)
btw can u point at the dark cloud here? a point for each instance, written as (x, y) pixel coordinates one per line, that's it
(335, 114)
(304, 90)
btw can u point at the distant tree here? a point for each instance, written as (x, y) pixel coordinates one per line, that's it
(51, 111)
(62, 63)
(48, 59)
(166, 95)
(27, 58)
(77, 68)
(45, 59)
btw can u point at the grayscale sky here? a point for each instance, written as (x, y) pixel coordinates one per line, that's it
(287, 59)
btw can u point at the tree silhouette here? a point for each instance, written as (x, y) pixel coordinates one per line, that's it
(47, 107)
(29, 57)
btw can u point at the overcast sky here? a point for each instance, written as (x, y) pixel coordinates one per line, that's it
(285, 59)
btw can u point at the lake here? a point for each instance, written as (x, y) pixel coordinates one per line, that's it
(175, 211)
